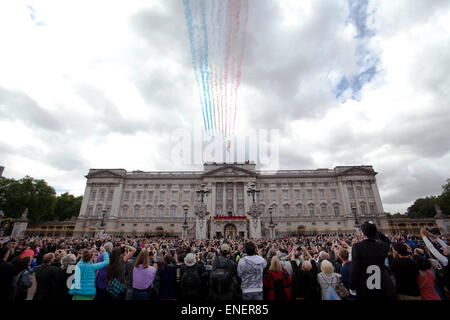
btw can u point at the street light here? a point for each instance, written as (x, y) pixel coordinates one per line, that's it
(356, 218)
(103, 217)
(185, 214)
(202, 191)
(252, 191)
(270, 213)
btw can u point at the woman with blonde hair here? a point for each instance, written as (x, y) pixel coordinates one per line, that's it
(277, 281)
(328, 278)
(143, 276)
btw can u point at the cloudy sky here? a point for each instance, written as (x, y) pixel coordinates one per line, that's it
(104, 84)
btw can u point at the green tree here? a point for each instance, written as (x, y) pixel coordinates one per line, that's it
(34, 194)
(444, 199)
(422, 208)
(67, 206)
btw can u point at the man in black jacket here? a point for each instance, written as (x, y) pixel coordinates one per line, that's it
(224, 270)
(6, 274)
(369, 278)
(48, 280)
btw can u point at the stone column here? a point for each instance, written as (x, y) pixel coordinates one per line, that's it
(377, 196)
(234, 199)
(213, 199)
(85, 202)
(344, 198)
(224, 203)
(115, 207)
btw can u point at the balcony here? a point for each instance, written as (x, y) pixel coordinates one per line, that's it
(230, 218)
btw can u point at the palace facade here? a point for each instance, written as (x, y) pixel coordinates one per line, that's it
(299, 201)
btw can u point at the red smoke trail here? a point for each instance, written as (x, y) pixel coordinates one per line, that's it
(238, 78)
(227, 58)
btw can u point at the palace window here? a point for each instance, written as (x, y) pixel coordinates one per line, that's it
(273, 195)
(90, 212)
(333, 193)
(311, 211)
(110, 196)
(324, 211)
(93, 195)
(240, 212)
(372, 209)
(309, 193)
(285, 195)
(219, 212)
(127, 195)
(139, 195)
(274, 212)
(173, 212)
(99, 211)
(261, 195)
(124, 211)
(186, 195)
(350, 193)
(162, 195)
(108, 212)
(150, 196)
(174, 196)
(297, 194)
(363, 209)
(359, 192)
(299, 211)
(230, 194)
(219, 195)
(336, 211)
(239, 195)
(321, 193)
(102, 195)
(369, 192)
(149, 211)
(161, 211)
(136, 211)
(286, 211)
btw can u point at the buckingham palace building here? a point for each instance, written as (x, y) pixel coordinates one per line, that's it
(216, 202)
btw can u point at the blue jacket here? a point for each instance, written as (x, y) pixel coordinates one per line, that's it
(87, 273)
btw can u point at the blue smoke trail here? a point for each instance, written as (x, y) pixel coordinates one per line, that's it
(205, 61)
(188, 15)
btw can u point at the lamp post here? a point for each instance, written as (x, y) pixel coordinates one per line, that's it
(184, 225)
(202, 192)
(356, 218)
(103, 217)
(252, 190)
(271, 224)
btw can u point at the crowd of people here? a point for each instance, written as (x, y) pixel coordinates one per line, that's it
(321, 267)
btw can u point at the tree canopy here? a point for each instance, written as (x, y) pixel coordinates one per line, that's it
(424, 207)
(41, 200)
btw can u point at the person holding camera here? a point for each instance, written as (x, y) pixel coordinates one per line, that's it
(369, 278)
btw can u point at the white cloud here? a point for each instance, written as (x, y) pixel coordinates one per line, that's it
(109, 81)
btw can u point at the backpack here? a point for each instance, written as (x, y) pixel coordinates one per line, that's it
(190, 283)
(19, 288)
(278, 286)
(331, 293)
(219, 277)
